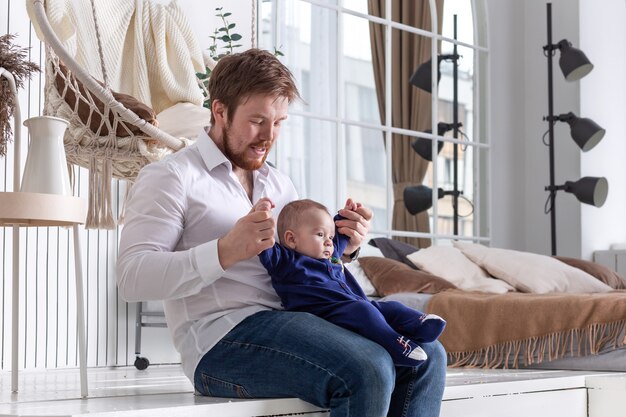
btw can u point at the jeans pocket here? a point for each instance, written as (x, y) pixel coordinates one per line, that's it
(215, 387)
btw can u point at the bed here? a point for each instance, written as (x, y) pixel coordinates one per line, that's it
(506, 309)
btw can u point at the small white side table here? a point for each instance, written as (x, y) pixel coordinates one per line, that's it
(18, 209)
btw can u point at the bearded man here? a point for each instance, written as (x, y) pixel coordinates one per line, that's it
(192, 238)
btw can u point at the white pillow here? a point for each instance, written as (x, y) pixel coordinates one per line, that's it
(369, 250)
(450, 264)
(531, 272)
(361, 278)
(184, 119)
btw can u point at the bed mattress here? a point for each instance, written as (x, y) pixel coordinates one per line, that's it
(608, 359)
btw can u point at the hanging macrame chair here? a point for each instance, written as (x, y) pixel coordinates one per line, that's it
(111, 134)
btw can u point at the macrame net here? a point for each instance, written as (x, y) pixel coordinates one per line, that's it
(112, 135)
(99, 138)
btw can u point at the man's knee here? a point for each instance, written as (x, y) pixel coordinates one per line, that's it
(437, 362)
(372, 370)
(436, 352)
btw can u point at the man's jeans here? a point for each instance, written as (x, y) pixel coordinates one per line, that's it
(285, 354)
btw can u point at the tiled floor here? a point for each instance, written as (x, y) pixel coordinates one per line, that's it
(164, 390)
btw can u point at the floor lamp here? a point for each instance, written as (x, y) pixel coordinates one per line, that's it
(419, 198)
(585, 132)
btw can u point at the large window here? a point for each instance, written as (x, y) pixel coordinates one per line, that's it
(349, 138)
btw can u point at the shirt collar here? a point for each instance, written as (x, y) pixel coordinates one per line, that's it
(213, 156)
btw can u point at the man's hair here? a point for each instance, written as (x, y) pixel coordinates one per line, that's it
(292, 213)
(239, 76)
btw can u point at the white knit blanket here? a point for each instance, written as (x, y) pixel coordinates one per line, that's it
(149, 50)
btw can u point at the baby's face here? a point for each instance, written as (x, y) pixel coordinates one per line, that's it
(313, 236)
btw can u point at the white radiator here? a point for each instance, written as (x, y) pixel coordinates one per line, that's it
(613, 259)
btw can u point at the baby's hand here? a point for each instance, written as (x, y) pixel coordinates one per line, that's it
(264, 204)
(352, 205)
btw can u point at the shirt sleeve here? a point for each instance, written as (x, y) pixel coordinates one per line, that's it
(148, 266)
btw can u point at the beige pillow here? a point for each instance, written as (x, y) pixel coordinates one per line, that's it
(450, 264)
(184, 120)
(531, 272)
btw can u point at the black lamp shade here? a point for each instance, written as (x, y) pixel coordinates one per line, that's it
(424, 147)
(419, 198)
(573, 62)
(422, 77)
(585, 132)
(589, 190)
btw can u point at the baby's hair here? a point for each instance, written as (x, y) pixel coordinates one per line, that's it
(291, 214)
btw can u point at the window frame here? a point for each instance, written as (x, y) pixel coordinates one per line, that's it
(481, 155)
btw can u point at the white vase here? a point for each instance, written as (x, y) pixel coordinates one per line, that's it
(46, 165)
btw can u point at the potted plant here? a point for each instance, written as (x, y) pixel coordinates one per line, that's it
(224, 42)
(13, 59)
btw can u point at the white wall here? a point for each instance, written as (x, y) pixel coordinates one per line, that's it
(518, 101)
(603, 99)
(506, 121)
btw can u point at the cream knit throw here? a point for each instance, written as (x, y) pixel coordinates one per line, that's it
(149, 50)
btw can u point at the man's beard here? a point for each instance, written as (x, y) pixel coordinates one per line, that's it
(239, 159)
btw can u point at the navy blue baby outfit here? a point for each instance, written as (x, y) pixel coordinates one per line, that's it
(324, 288)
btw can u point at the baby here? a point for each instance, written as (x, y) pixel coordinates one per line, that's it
(308, 275)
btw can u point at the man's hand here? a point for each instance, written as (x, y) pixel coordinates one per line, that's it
(355, 225)
(252, 234)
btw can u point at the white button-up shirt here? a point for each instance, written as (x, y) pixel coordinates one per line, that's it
(175, 213)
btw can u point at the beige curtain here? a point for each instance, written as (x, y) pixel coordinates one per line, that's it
(411, 107)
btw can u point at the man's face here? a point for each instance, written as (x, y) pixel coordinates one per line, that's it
(248, 136)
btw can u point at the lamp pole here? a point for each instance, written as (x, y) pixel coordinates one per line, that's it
(455, 122)
(549, 48)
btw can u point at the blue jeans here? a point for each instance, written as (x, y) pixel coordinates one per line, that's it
(278, 354)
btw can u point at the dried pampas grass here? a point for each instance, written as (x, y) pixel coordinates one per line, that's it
(14, 60)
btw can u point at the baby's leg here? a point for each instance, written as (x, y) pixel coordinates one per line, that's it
(421, 327)
(363, 318)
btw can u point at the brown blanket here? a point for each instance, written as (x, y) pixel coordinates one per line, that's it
(495, 330)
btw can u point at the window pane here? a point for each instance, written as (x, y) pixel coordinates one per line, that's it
(410, 104)
(365, 6)
(465, 185)
(312, 58)
(361, 101)
(463, 11)
(366, 170)
(306, 152)
(414, 13)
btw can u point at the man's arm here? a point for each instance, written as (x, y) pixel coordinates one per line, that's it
(150, 268)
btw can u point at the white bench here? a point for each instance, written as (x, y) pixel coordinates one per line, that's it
(164, 391)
